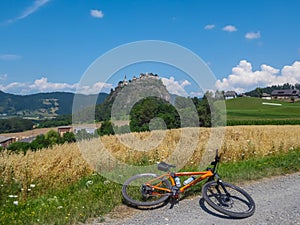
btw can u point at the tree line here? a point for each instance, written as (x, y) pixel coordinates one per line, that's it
(154, 113)
(42, 141)
(17, 124)
(52, 138)
(257, 92)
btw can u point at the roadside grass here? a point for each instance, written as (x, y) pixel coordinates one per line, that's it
(256, 168)
(93, 196)
(281, 163)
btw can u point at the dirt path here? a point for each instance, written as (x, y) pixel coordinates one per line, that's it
(277, 202)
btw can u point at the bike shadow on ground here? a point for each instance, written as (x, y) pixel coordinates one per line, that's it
(145, 207)
(214, 213)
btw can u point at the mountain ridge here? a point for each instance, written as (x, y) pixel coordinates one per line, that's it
(43, 105)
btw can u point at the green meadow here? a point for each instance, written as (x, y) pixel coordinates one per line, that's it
(256, 111)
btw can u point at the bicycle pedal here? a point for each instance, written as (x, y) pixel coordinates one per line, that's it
(174, 202)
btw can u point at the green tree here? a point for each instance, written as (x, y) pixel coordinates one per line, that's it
(106, 128)
(53, 138)
(69, 137)
(149, 108)
(19, 146)
(259, 92)
(39, 143)
(204, 110)
(15, 125)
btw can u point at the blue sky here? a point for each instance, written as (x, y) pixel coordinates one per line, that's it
(47, 45)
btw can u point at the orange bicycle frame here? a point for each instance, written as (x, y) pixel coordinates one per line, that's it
(203, 176)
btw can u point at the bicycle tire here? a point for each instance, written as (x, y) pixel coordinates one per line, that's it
(130, 191)
(220, 202)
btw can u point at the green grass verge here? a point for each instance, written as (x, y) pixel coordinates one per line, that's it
(257, 168)
(94, 196)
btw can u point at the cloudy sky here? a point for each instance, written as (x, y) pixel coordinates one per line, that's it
(47, 45)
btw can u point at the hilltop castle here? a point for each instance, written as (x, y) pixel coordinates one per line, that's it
(146, 82)
(142, 76)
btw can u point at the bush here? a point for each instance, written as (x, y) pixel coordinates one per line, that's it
(106, 128)
(19, 146)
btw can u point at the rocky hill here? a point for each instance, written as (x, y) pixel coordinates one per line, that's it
(122, 99)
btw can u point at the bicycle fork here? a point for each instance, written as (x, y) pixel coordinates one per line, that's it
(220, 183)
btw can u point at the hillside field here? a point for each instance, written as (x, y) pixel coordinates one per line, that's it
(248, 108)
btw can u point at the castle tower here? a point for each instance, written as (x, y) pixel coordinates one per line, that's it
(125, 81)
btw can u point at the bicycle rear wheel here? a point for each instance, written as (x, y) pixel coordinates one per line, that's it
(238, 204)
(137, 193)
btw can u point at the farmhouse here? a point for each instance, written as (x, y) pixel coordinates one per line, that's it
(64, 129)
(88, 129)
(5, 141)
(285, 94)
(230, 94)
(266, 96)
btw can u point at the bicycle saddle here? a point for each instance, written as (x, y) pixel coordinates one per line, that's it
(165, 166)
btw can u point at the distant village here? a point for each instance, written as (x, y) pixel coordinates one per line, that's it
(288, 94)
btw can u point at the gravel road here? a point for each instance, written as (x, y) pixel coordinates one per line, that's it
(277, 202)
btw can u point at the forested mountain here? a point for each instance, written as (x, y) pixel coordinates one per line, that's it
(42, 104)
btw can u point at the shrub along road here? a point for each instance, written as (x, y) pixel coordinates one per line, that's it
(277, 202)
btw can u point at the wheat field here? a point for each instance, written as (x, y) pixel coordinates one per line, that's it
(187, 146)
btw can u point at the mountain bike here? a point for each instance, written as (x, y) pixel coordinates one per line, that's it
(149, 189)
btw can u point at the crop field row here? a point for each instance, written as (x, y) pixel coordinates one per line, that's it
(70, 162)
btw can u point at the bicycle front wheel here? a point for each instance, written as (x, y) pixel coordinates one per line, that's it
(237, 203)
(136, 192)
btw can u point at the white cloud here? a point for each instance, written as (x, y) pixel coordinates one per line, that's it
(9, 57)
(229, 28)
(14, 88)
(243, 78)
(96, 13)
(252, 35)
(37, 4)
(176, 87)
(95, 89)
(43, 85)
(196, 94)
(33, 8)
(209, 27)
